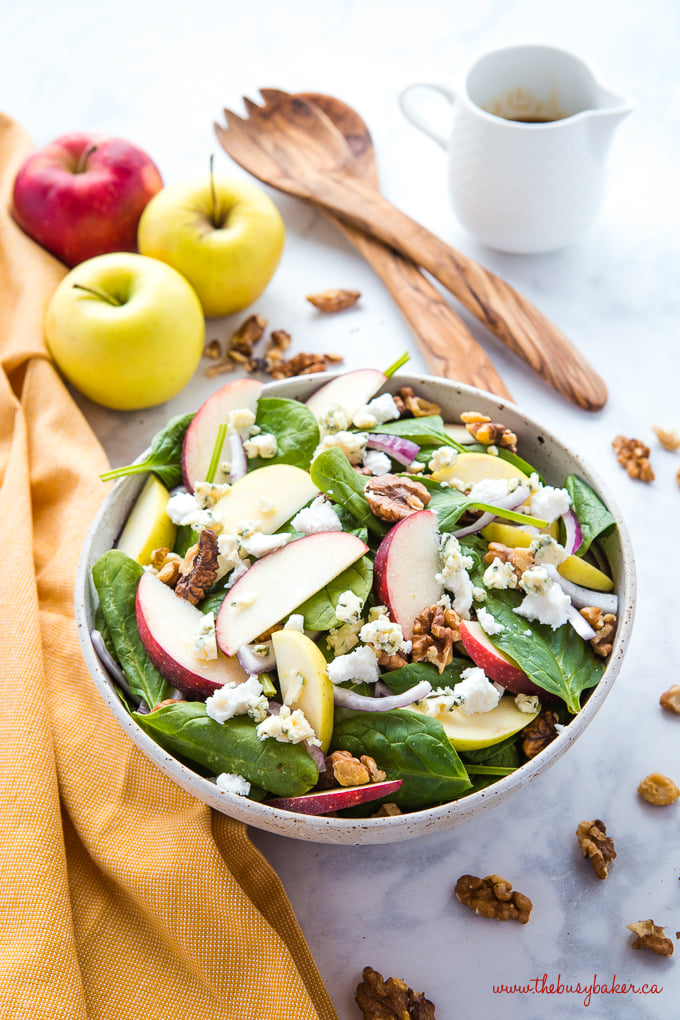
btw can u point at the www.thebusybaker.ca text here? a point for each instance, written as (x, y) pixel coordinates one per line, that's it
(545, 986)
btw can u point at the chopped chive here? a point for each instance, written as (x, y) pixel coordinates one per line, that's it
(389, 372)
(216, 454)
(489, 770)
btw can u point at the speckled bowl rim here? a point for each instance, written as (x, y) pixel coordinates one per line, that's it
(533, 436)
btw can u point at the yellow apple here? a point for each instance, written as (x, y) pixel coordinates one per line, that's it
(225, 236)
(125, 330)
(476, 467)
(513, 536)
(304, 682)
(148, 527)
(481, 729)
(574, 568)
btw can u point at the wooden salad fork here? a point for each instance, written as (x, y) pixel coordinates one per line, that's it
(290, 144)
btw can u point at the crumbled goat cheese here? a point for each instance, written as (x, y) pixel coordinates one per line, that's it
(550, 608)
(475, 693)
(488, 623)
(375, 612)
(184, 509)
(478, 594)
(352, 445)
(349, 606)
(238, 699)
(533, 482)
(442, 462)
(240, 421)
(528, 703)
(334, 419)
(492, 490)
(207, 494)
(258, 544)
(548, 503)
(415, 467)
(384, 636)
(499, 575)
(232, 782)
(454, 574)
(361, 666)
(205, 642)
(535, 581)
(377, 462)
(440, 700)
(287, 727)
(261, 446)
(295, 621)
(363, 419)
(316, 518)
(547, 551)
(343, 639)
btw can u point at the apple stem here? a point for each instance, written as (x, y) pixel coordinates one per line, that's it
(215, 205)
(81, 166)
(98, 293)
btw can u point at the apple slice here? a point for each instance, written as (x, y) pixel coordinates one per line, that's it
(281, 581)
(514, 536)
(579, 571)
(167, 628)
(304, 682)
(459, 433)
(351, 390)
(482, 729)
(199, 441)
(268, 496)
(496, 664)
(148, 527)
(405, 566)
(476, 467)
(324, 801)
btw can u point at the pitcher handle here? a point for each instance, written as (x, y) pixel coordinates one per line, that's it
(413, 112)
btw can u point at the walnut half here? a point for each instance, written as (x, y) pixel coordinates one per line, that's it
(633, 455)
(493, 896)
(435, 631)
(391, 999)
(199, 569)
(658, 789)
(597, 845)
(392, 497)
(650, 936)
(540, 732)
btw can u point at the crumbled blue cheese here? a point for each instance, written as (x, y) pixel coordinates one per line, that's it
(237, 573)
(478, 593)
(475, 693)
(375, 612)
(240, 422)
(535, 581)
(295, 621)
(547, 551)
(348, 607)
(360, 666)
(545, 601)
(442, 463)
(232, 782)
(528, 703)
(440, 700)
(352, 444)
(492, 490)
(287, 727)
(266, 505)
(184, 509)
(499, 575)
(258, 544)
(207, 494)
(549, 503)
(263, 446)
(384, 636)
(454, 574)
(233, 699)
(488, 623)
(377, 462)
(205, 642)
(343, 639)
(247, 540)
(316, 518)
(376, 412)
(334, 419)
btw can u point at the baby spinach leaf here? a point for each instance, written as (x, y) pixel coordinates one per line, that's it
(426, 431)
(449, 504)
(165, 455)
(184, 539)
(406, 677)
(295, 428)
(185, 728)
(408, 746)
(333, 474)
(591, 512)
(319, 609)
(558, 661)
(116, 577)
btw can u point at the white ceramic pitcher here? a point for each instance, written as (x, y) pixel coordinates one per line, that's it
(528, 147)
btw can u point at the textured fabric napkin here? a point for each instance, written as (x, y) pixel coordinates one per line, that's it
(121, 897)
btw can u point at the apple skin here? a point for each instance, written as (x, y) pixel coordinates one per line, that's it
(350, 390)
(199, 441)
(135, 353)
(496, 664)
(230, 256)
(148, 527)
(323, 801)
(405, 566)
(83, 194)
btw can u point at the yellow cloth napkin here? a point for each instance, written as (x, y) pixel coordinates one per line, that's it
(121, 896)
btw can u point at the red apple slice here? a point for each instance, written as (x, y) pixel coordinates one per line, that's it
(405, 566)
(199, 441)
(324, 801)
(278, 583)
(351, 390)
(496, 664)
(167, 627)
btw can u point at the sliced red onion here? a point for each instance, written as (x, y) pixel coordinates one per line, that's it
(239, 461)
(404, 451)
(573, 534)
(252, 661)
(509, 502)
(580, 596)
(364, 703)
(316, 754)
(580, 624)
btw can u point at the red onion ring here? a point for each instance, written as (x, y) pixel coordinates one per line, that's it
(580, 624)
(509, 502)
(364, 703)
(580, 596)
(239, 461)
(254, 663)
(316, 754)
(404, 451)
(573, 534)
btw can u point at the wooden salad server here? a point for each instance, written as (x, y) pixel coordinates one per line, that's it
(292, 145)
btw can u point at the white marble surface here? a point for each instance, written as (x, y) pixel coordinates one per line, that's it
(159, 74)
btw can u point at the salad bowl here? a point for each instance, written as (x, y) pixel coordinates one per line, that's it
(538, 446)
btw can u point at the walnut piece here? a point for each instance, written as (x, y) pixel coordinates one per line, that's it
(658, 789)
(604, 625)
(670, 699)
(213, 350)
(389, 662)
(391, 497)
(418, 407)
(304, 364)
(669, 438)
(166, 565)
(597, 845)
(493, 897)
(391, 999)
(435, 632)
(388, 810)
(347, 770)
(243, 340)
(490, 433)
(519, 558)
(199, 569)
(540, 732)
(334, 300)
(634, 456)
(650, 936)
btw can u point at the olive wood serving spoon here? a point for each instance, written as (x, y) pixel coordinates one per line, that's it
(447, 345)
(291, 145)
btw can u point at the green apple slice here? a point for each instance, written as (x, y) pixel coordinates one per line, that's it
(268, 496)
(148, 527)
(514, 537)
(304, 681)
(482, 729)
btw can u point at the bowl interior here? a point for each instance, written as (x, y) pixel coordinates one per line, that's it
(537, 445)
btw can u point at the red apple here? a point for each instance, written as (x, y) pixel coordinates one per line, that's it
(83, 194)
(199, 441)
(405, 566)
(322, 802)
(496, 664)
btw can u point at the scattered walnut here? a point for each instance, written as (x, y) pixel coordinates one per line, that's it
(395, 661)
(388, 810)
(334, 300)
(670, 699)
(540, 732)
(650, 936)
(669, 438)
(391, 999)
(493, 897)
(490, 433)
(243, 340)
(658, 789)
(166, 565)
(159, 557)
(634, 456)
(419, 407)
(300, 364)
(597, 845)
(391, 497)
(435, 631)
(347, 770)
(604, 625)
(375, 774)
(519, 558)
(677, 476)
(169, 573)
(221, 367)
(199, 569)
(213, 350)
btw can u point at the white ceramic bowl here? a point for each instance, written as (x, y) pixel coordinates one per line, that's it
(537, 445)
